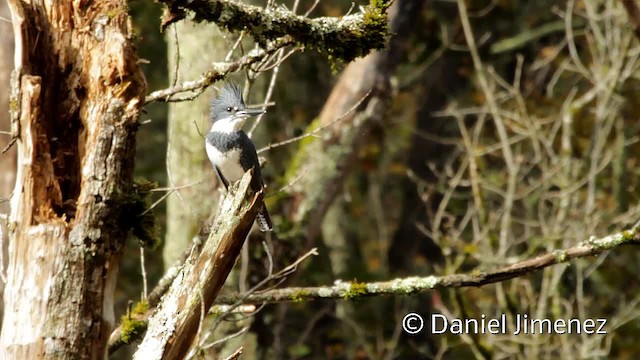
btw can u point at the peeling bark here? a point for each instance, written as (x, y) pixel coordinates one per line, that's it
(76, 95)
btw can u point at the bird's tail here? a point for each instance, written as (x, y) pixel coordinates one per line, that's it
(264, 221)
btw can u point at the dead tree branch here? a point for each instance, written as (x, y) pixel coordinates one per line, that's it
(413, 285)
(173, 326)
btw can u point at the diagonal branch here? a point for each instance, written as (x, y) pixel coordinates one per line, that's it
(342, 38)
(413, 285)
(174, 325)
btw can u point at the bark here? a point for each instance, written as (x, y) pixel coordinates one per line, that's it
(8, 159)
(76, 95)
(175, 324)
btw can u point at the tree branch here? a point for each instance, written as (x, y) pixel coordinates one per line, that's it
(174, 325)
(413, 285)
(341, 38)
(219, 71)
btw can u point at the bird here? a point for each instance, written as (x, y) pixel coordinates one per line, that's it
(229, 149)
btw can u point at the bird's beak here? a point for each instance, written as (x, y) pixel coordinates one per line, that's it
(247, 113)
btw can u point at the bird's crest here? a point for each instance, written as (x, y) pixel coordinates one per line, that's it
(229, 97)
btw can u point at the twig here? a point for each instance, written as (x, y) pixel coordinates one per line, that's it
(512, 165)
(169, 191)
(143, 270)
(226, 338)
(313, 7)
(312, 133)
(267, 98)
(236, 354)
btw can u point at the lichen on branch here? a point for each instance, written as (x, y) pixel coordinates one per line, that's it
(339, 38)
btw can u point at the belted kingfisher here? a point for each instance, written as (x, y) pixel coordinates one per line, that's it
(229, 149)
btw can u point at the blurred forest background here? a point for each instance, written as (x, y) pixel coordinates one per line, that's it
(500, 130)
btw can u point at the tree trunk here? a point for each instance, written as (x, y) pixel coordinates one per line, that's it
(187, 162)
(364, 84)
(8, 159)
(76, 95)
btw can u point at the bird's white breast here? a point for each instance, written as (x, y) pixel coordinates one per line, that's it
(228, 163)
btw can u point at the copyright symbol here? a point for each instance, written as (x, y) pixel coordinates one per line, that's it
(412, 323)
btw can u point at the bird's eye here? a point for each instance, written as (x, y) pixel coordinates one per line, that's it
(229, 109)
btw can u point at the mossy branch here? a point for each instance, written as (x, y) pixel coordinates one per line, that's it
(413, 285)
(340, 38)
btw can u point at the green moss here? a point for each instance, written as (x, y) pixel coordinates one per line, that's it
(141, 307)
(13, 105)
(131, 326)
(561, 255)
(299, 296)
(216, 311)
(356, 290)
(118, 11)
(628, 235)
